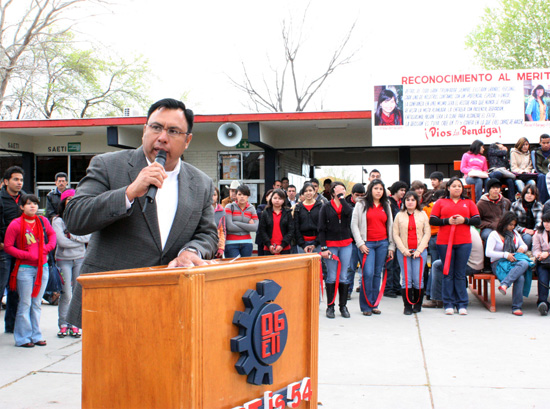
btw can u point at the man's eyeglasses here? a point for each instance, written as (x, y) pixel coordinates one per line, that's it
(174, 133)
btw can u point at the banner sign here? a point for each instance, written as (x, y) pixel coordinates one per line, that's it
(456, 109)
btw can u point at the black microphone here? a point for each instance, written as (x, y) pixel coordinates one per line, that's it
(152, 191)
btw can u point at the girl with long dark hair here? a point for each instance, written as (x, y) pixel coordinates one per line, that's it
(371, 225)
(335, 239)
(276, 225)
(507, 250)
(536, 109)
(387, 112)
(454, 213)
(306, 219)
(474, 167)
(529, 213)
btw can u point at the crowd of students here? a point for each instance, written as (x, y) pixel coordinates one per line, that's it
(409, 241)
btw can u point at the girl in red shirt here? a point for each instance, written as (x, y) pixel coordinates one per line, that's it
(25, 242)
(276, 225)
(371, 225)
(454, 213)
(411, 232)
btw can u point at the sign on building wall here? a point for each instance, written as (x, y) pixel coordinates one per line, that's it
(457, 108)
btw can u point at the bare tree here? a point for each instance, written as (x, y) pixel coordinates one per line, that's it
(269, 93)
(22, 24)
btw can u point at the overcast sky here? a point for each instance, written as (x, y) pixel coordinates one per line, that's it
(194, 46)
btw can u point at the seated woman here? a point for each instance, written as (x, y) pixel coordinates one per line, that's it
(411, 233)
(541, 251)
(507, 250)
(499, 167)
(474, 167)
(529, 213)
(521, 164)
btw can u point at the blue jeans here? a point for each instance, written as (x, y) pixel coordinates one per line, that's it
(27, 320)
(70, 270)
(4, 273)
(543, 189)
(478, 184)
(454, 284)
(372, 272)
(508, 181)
(234, 249)
(484, 233)
(414, 265)
(355, 259)
(520, 185)
(515, 276)
(543, 272)
(434, 255)
(12, 299)
(344, 254)
(437, 279)
(528, 239)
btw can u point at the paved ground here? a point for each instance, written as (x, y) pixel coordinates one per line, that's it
(483, 360)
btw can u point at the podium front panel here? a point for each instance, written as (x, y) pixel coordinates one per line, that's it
(160, 338)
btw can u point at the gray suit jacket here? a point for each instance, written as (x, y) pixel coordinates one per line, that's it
(124, 239)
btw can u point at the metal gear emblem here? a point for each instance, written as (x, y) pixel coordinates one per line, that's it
(263, 331)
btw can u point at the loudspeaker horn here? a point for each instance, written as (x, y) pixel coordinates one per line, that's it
(229, 134)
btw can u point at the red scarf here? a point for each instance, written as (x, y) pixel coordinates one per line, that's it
(21, 246)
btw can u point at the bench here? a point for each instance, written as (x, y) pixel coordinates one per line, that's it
(483, 286)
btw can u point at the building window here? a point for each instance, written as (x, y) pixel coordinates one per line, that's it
(247, 167)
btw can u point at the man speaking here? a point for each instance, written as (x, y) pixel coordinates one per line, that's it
(176, 229)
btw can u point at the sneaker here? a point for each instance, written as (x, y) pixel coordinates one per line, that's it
(63, 332)
(517, 313)
(74, 332)
(543, 309)
(462, 311)
(502, 289)
(449, 311)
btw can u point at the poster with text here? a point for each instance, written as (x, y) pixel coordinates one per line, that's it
(456, 109)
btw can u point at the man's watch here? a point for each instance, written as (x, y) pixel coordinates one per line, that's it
(324, 248)
(191, 249)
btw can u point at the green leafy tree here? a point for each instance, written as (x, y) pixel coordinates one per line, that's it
(67, 81)
(23, 24)
(514, 35)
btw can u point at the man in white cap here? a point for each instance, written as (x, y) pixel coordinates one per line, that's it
(232, 193)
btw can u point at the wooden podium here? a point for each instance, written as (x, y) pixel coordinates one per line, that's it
(161, 338)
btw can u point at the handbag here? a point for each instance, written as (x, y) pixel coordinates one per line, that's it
(55, 279)
(478, 174)
(505, 173)
(526, 177)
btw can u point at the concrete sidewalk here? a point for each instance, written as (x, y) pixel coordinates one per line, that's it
(428, 360)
